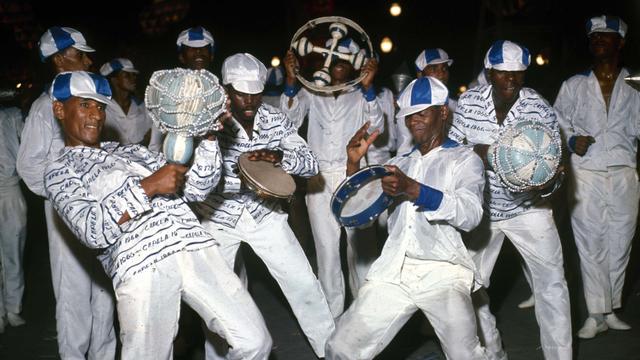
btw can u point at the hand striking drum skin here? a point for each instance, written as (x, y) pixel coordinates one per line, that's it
(526, 156)
(359, 199)
(185, 103)
(338, 29)
(268, 180)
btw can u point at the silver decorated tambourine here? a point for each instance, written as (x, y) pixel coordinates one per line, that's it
(526, 156)
(339, 27)
(184, 103)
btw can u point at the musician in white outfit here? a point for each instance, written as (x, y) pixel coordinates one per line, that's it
(127, 119)
(121, 201)
(234, 214)
(84, 300)
(424, 264)
(332, 120)
(482, 113)
(601, 124)
(13, 217)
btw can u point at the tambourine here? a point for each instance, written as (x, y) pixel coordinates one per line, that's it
(338, 29)
(359, 199)
(266, 179)
(525, 156)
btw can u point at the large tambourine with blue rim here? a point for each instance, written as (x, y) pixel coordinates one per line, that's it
(359, 199)
(526, 156)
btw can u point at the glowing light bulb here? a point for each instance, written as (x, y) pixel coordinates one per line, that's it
(395, 9)
(386, 44)
(462, 89)
(275, 61)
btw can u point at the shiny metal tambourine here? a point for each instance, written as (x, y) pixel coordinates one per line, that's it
(526, 156)
(338, 29)
(184, 103)
(633, 81)
(266, 179)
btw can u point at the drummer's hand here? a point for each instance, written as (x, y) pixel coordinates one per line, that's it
(357, 147)
(481, 150)
(290, 66)
(370, 69)
(166, 180)
(398, 183)
(272, 156)
(582, 144)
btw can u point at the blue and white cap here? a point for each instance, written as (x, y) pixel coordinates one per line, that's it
(59, 38)
(80, 84)
(420, 94)
(505, 55)
(607, 23)
(275, 76)
(195, 37)
(117, 64)
(345, 46)
(432, 57)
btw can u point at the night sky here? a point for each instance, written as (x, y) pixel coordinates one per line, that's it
(463, 28)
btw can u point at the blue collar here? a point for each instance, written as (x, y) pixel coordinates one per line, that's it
(447, 144)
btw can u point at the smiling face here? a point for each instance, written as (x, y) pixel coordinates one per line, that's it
(82, 120)
(341, 71)
(196, 58)
(427, 127)
(506, 85)
(244, 106)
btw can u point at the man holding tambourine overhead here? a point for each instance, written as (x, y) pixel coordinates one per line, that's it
(243, 211)
(424, 265)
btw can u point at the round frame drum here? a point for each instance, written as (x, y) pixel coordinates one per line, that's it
(359, 199)
(265, 178)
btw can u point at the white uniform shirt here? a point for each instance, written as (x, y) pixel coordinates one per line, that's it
(457, 173)
(332, 121)
(271, 130)
(129, 128)
(42, 140)
(381, 151)
(475, 122)
(584, 112)
(10, 129)
(91, 188)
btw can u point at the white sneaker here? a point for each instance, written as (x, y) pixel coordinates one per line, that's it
(530, 302)
(591, 328)
(15, 319)
(614, 323)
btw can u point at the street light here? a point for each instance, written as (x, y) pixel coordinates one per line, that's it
(386, 44)
(275, 61)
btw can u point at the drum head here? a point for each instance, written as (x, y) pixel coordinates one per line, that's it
(359, 200)
(267, 177)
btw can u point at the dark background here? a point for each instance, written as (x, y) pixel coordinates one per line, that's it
(146, 31)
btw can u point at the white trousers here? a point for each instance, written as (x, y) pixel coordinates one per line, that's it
(275, 244)
(149, 307)
(535, 236)
(604, 222)
(361, 243)
(440, 289)
(13, 217)
(84, 296)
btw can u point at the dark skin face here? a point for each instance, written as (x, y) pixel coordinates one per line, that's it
(341, 71)
(124, 80)
(427, 127)
(244, 106)
(506, 85)
(82, 120)
(605, 45)
(71, 59)
(438, 71)
(196, 58)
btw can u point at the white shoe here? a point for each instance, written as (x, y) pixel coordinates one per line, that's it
(614, 323)
(15, 319)
(591, 328)
(530, 302)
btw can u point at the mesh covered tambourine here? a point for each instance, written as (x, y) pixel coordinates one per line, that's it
(526, 156)
(184, 103)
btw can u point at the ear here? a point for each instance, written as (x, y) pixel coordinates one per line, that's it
(58, 111)
(444, 111)
(58, 61)
(181, 58)
(621, 44)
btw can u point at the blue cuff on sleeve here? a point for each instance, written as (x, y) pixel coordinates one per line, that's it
(291, 91)
(370, 94)
(572, 144)
(429, 198)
